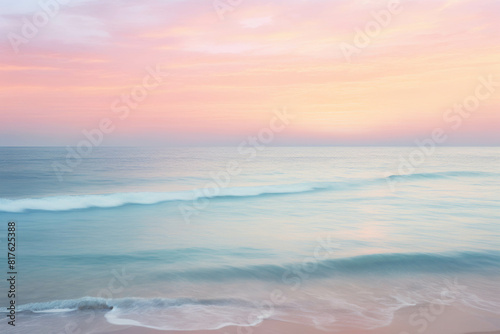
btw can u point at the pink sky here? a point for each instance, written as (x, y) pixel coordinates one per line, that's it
(227, 74)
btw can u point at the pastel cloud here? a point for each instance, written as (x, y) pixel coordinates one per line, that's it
(226, 76)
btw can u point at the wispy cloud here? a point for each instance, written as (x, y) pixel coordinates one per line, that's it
(227, 74)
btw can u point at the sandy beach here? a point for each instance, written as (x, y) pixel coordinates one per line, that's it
(278, 327)
(451, 321)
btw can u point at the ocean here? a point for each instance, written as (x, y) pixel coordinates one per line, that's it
(335, 238)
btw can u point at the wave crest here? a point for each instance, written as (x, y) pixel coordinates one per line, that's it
(86, 303)
(75, 202)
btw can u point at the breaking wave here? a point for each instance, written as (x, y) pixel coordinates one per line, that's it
(75, 202)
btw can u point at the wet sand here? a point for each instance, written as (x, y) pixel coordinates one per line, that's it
(278, 327)
(451, 321)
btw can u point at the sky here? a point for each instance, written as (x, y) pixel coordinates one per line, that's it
(214, 72)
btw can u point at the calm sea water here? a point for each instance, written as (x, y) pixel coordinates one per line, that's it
(201, 238)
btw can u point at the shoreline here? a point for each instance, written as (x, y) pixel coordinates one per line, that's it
(415, 319)
(451, 321)
(281, 327)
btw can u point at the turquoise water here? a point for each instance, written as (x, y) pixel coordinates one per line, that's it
(172, 238)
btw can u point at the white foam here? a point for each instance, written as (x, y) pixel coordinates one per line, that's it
(60, 310)
(61, 306)
(73, 202)
(183, 317)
